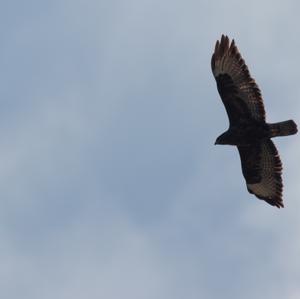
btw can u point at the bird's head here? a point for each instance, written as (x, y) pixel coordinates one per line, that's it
(219, 140)
(223, 139)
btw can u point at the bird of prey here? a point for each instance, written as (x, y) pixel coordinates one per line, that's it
(248, 129)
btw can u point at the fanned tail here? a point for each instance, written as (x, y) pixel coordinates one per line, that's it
(283, 128)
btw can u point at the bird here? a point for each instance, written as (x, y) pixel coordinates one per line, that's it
(248, 129)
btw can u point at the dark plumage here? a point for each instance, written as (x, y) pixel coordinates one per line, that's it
(248, 130)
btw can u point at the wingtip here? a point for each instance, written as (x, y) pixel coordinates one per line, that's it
(232, 46)
(222, 45)
(277, 202)
(217, 46)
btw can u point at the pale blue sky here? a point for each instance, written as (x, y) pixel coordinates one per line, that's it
(111, 186)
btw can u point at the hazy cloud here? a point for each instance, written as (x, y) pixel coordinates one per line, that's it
(110, 183)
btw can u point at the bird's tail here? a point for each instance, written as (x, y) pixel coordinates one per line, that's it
(283, 128)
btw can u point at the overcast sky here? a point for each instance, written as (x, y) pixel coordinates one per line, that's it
(111, 186)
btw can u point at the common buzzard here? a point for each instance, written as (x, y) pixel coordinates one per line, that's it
(248, 129)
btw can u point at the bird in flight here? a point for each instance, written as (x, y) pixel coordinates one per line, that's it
(248, 129)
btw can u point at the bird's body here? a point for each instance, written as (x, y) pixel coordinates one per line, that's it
(248, 129)
(245, 132)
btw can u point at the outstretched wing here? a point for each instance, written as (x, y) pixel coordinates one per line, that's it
(238, 90)
(261, 168)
